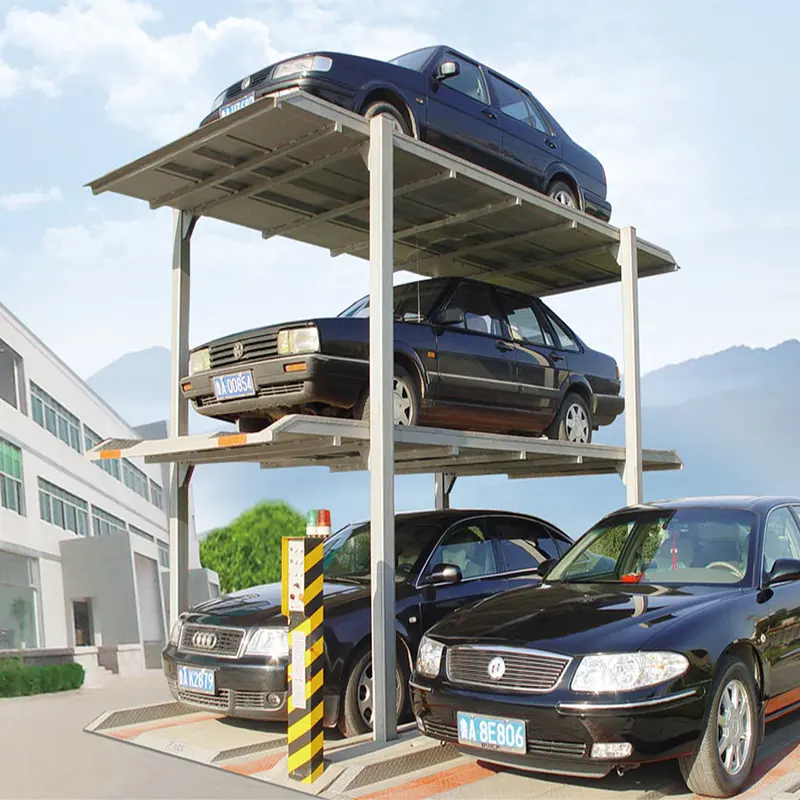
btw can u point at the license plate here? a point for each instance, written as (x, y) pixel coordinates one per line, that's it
(197, 679)
(238, 105)
(240, 384)
(491, 733)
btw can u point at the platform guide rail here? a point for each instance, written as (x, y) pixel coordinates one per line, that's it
(300, 167)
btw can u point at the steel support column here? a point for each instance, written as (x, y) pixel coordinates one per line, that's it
(627, 259)
(179, 474)
(381, 430)
(444, 485)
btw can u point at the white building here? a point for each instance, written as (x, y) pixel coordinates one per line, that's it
(84, 552)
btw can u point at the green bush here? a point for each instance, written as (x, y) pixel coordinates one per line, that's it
(19, 679)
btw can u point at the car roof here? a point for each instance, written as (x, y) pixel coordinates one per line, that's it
(752, 502)
(451, 515)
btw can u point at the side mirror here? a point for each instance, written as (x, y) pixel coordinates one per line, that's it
(445, 573)
(545, 567)
(447, 69)
(448, 316)
(784, 569)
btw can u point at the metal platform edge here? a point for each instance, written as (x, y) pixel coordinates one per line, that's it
(343, 445)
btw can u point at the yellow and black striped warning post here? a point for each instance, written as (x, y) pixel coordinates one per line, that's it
(302, 604)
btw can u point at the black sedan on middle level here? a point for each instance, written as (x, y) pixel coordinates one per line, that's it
(468, 355)
(669, 630)
(231, 653)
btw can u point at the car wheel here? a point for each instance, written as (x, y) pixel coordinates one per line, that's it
(405, 399)
(573, 423)
(357, 710)
(727, 750)
(563, 193)
(384, 107)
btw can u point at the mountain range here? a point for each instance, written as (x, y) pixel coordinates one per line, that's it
(731, 416)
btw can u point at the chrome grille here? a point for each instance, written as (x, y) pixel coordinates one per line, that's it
(264, 345)
(535, 747)
(228, 640)
(525, 670)
(248, 699)
(219, 700)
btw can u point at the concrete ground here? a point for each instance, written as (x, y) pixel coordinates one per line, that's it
(45, 753)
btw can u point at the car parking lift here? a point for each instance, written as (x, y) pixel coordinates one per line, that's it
(299, 167)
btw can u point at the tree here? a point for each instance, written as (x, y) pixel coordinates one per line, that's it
(248, 551)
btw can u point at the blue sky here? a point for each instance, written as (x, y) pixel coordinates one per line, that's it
(691, 106)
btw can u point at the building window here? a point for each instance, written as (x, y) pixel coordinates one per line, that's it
(109, 465)
(63, 509)
(19, 602)
(163, 555)
(140, 532)
(134, 478)
(52, 416)
(10, 373)
(10, 476)
(105, 524)
(156, 495)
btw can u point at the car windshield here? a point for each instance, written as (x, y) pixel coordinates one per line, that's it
(412, 301)
(416, 59)
(346, 554)
(687, 545)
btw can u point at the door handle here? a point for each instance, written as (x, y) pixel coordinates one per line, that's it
(503, 346)
(550, 143)
(556, 357)
(489, 113)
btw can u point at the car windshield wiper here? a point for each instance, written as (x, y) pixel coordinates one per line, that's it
(348, 578)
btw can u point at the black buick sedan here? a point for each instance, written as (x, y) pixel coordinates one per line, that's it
(670, 630)
(468, 356)
(231, 653)
(451, 101)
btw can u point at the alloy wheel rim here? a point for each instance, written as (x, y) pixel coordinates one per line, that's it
(577, 424)
(565, 198)
(734, 727)
(403, 403)
(365, 695)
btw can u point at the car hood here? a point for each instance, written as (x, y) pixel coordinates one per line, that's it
(575, 618)
(262, 604)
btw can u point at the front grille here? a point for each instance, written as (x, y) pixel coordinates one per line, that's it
(535, 747)
(220, 700)
(525, 670)
(264, 345)
(276, 390)
(247, 699)
(227, 643)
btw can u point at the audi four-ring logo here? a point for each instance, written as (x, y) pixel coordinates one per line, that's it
(203, 640)
(496, 668)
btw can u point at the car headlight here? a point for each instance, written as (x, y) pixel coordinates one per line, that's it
(218, 100)
(200, 361)
(175, 634)
(305, 64)
(292, 341)
(429, 657)
(623, 672)
(271, 642)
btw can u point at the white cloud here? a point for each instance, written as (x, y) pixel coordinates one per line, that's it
(9, 81)
(37, 197)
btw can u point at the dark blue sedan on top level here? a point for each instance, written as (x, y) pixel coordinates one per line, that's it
(450, 101)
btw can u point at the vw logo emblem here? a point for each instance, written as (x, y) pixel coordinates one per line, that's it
(245, 83)
(238, 350)
(204, 640)
(496, 668)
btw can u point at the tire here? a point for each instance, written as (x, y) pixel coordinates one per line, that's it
(563, 193)
(574, 410)
(353, 721)
(704, 771)
(385, 107)
(406, 399)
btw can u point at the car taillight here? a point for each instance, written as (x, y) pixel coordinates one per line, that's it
(616, 369)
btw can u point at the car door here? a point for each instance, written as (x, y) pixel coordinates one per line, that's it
(782, 540)
(523, 545)
(539, 367)
(529, 149)
(470, 546)
(460, 117)
(477, 363)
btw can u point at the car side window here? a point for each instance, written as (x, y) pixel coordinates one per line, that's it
(564, 338)
(469, 547)
(781, 537)
(537, 120)
(469, 80)
(509, 99)
(524, 321)
(481, 312)
(524, 544)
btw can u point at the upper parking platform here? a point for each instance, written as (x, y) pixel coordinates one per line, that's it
(295, 166)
